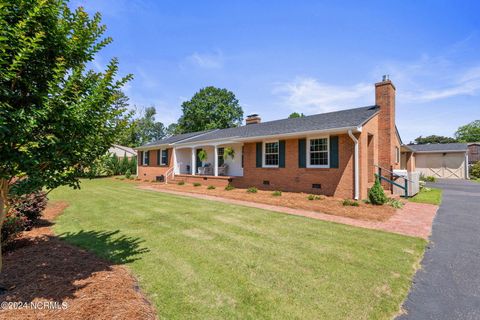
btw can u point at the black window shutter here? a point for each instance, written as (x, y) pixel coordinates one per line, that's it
(158, 156)
(302, 153)
(168, 157)
(333, 151)
(259, 154)
(140, 158)
(148, 158)
(281, 154)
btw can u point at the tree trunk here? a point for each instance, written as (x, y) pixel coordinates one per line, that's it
(4, 185)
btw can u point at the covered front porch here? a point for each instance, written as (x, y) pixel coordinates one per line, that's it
(217, 160)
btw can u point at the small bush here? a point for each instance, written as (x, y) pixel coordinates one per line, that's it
(376, 194)
(475, 170)
(395, 203)
(428, 178)
(252, 190)
(29, 205)
(181, 183)
(350, 202)
(314, 197)
(13, 224)
(276, 193)
(229, 187)
(128, 173)
(422, 184)
(197, 184)
(211, 187)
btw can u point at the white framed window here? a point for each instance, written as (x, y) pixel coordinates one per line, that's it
(270, 154)
(163, 157)
(318, 152)
(397, 154)
(145, 158)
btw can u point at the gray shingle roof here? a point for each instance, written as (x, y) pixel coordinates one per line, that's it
(439, 147)
(318, 122)
(175, 138)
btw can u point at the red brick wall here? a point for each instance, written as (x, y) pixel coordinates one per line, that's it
(334, 181)
(153, 169)
(388, 139)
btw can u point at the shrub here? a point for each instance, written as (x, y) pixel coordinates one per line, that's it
(376, 194)
(128, 174)
(395, 203)
(229, 187)
(181, 183)
(252, 190)
(29, 205)
(422, 184)
(314, 197)
(13, 224)
(211, 187)
(350, 202)
(428, 178)
(276, 193)
(133, 165)
(475, 170)
(197, 184)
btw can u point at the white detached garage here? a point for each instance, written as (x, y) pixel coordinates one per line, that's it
(446, 160)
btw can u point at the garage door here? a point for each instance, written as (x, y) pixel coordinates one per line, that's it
(441, 165)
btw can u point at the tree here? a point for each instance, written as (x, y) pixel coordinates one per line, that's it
(296, 115)
(210, 108)
(469, 132)
(56, 116)
(434, 139)
(147, 129)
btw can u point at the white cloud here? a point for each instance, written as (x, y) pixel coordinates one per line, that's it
(432, 79)
(306, 94)
(207, 60)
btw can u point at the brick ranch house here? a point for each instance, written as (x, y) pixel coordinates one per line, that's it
(332, 153)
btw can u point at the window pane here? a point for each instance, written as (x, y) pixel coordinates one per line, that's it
(271, 159)
(164, 156)
(271, 147)
(319, 158)
(318, 144)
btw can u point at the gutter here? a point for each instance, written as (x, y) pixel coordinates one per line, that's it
(356, 168)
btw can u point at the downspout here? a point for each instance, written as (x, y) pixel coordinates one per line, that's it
(356, 171)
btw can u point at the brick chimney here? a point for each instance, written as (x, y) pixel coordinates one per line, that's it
(385, 99)
(252, 119)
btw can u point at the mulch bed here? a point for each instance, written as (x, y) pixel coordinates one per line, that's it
(328, 205)
(38, 267)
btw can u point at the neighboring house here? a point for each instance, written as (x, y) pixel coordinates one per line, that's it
(440, 160)
(473, 152)
(333, 153)
(121, 151)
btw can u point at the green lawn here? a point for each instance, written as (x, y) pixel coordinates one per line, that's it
(433, 196)
(209, 260)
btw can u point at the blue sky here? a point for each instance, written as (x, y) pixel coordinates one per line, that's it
(305, 56)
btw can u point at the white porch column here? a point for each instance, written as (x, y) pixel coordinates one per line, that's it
(215, 161)
(194, 162)
(176, 169)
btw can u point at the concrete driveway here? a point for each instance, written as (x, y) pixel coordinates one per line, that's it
(448, 285)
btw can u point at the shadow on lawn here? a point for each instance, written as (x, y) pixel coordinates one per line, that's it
(110, 245)
(46, 266)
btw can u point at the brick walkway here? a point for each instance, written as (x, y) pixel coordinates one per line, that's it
(415, 219)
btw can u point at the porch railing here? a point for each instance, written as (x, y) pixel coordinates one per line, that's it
(170, 172)
(391, 179)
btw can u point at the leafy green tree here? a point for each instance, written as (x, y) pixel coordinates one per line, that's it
(172, 129)
(469, 132)
(434, 139)
(210, 108)
(56, 116)
(146, 128)
(296, 115)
